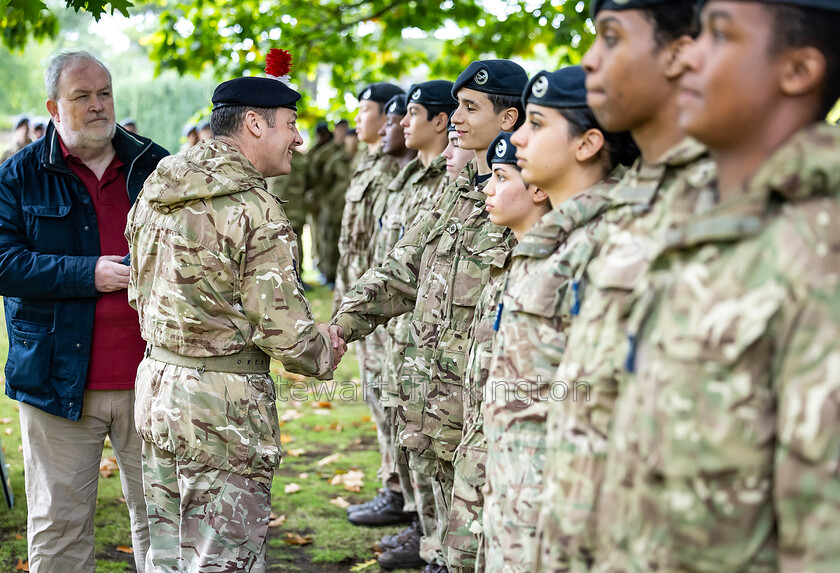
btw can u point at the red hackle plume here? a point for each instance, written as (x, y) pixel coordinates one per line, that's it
(278, 63)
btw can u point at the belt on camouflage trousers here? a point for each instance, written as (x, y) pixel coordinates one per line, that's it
(245, 362)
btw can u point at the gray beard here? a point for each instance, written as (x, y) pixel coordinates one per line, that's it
(84, 138)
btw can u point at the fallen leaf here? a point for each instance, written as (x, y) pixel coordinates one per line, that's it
(366, 418)
(291, 415)
(107, 466)
(292, 488)
(329, 459)
(22, 565)
(363, 566)
(286, 439)
(8, 431)
(122, 499)
(277, 521)
(352, 480)
(20, 448)
(124, 549)
(321, 404)
(373, 427)
(295, 539)
(340, 502)
(4, 421)
(18, 536)
(296, 453)
(304, 475)
(322, 412)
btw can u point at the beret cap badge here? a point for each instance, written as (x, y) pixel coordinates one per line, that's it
(540, 87)
(501, 148)
(415, 95)
(481, 77)
(365, 94)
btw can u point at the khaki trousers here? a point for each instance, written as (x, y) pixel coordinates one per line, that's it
(61, 464)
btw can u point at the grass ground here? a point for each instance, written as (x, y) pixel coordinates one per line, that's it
(317, 428)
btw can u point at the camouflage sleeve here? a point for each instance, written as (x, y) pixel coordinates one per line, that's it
(387, 290)
(273, 301)
(806, 484)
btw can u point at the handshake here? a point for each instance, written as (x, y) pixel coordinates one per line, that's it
(336, 335)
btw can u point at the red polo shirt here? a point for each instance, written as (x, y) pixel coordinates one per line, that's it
(117, 347)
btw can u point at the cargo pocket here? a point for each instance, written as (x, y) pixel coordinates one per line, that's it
(30, 356)
(265, 425)
(443, 418)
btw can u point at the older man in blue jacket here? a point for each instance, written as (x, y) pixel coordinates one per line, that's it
(74, 342)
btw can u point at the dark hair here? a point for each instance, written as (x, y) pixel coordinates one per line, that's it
(227, 121)
(621, 148)
(434, 110)
(799, 27)
(503, 102)
(342, 122)
(672, 20)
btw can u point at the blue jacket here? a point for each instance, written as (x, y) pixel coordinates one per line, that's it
(49, 245)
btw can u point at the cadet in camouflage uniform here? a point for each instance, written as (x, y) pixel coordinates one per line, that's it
(437, 272)
(370, 180)
(538, 301)
(327, 174)
(292, 189)
(214, 281)
(411, 196)
(724, 448)
(514, 204)
(666, 179)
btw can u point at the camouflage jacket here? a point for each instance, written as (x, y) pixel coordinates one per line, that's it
(596, 348)
(369, 181)
(213, 272)
(437, 272)
(411, 195)
(725, 445)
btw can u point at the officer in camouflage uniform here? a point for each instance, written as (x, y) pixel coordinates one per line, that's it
(538, 302)
(724, 448)
(437, 272)
(370, 180)
(666, 179)
(514, 204)
(214, 280)
(411, 195)
(292, 189)
(337, 171)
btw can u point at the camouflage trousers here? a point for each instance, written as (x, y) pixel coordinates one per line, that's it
(423, 470)
(516, 453)
(370, 351)
(465, 532)
(203, 519)
(328, 229)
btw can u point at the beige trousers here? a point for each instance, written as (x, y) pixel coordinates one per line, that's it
(61, 464)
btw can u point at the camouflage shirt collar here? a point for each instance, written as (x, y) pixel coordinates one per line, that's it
(804, 167)
(641, 183)
(555, 227)
(468, 185)
(399, 182)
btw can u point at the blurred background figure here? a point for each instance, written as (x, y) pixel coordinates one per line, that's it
(204, 131)
(39, 127)
(21, 137)
(336, 173)
(292, 188)
(190, 133)
(130, 124)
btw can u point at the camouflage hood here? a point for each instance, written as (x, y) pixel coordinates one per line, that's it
(208, 169)
(805, 166)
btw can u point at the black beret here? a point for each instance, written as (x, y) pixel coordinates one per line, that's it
(21, 119)
(831, 5)
(396, 105)
(380, 93)
(564, 88)
(502, 150)
(499, 77)
(432, 93)
(598, 5)
(256, 92)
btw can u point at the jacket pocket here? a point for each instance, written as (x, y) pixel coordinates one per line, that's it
(48, 228)
(443, 419)
(30, 356)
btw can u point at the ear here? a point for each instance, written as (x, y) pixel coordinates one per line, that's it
(803, 72)
(52, 109)
(254, 123)
(539, 196)
(589, 146)
(674, 66)
(441, 121)
(509, 118)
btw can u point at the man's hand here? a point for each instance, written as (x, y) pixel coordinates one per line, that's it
(110, 274)
(335, 333)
